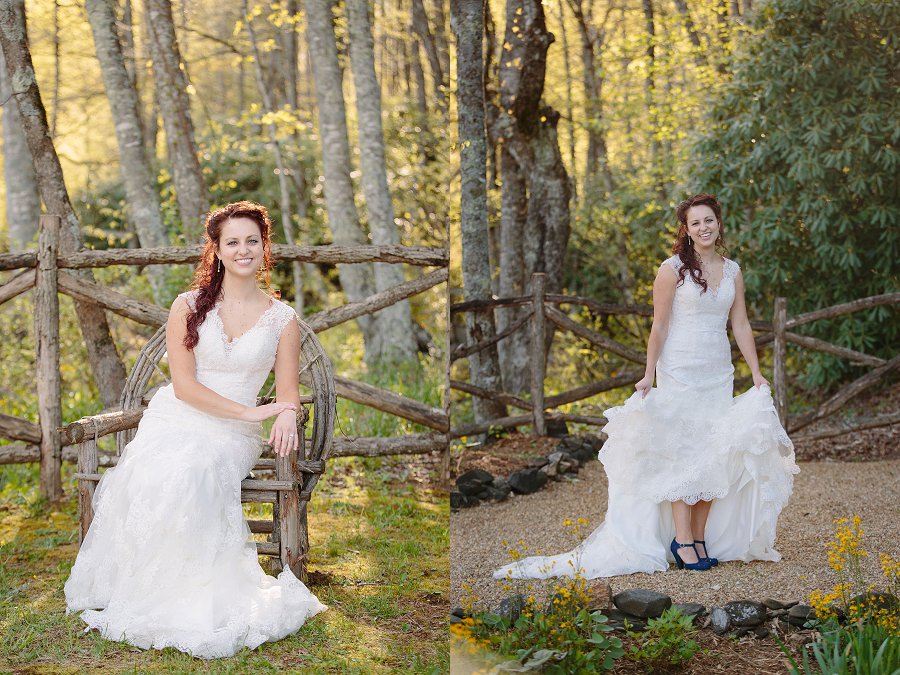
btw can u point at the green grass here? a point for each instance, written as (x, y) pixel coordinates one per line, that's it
(379, 549)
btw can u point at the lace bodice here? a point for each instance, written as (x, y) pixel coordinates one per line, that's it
(694, 310)
(238, 368)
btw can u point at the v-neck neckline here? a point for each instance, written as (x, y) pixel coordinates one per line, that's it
(230, 342)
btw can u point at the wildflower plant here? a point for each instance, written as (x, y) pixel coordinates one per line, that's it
(561, 635)
(852, 598)
(859, 628)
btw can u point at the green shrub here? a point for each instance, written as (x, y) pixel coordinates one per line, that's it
(666, 641)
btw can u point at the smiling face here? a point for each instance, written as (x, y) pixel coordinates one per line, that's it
(702, 226)
(240, 246)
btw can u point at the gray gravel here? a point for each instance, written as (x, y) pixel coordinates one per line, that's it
(823, 491)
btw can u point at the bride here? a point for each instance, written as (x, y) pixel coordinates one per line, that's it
(695, 476)
(168, 560)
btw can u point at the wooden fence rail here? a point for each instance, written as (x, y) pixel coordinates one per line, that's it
(44, 270)
(541, 309)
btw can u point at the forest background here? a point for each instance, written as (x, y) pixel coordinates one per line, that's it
(602, 116)
(331, 118)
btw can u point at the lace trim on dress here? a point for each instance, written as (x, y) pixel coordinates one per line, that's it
(730, 270)
(275, 318)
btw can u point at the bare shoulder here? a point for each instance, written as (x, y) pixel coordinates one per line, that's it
(668, 272)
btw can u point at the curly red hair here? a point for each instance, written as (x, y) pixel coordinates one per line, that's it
(684, 247)
(208, 277)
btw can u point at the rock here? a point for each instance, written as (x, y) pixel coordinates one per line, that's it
(567, 443)
(618, 619)
(798, 615)
(746, 613)
(474, 481)
(511, 607)
(551, 470)
(460, 501)
(538, 463)
(777, 604)
(719, 620)
(458, 612)
(557, 428)
(455, 619)
(642, 602)
(499, 489)
(741, 632)
(578, 448)
(692, 609)
(599, 596)
(800, 639)
(761, 632)
(593, 441)
(527, 481)
(776, 613)
(569, 464)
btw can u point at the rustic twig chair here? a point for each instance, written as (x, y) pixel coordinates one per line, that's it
(295, 475)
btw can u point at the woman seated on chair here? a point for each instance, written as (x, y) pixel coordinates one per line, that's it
(168, 560)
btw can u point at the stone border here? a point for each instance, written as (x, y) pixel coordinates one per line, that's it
(477, 485)
(630, 610)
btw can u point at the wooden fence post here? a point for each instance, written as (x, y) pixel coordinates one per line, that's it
(46, 332)
(538, 351)
(87, 464)
(779, 322)
(293, 535)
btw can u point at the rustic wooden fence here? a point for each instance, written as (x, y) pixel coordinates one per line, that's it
(541, 312)
(45, 270)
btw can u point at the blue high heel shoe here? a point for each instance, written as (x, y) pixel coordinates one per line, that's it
(712, 561)
(701, 564)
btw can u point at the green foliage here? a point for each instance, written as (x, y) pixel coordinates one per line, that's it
(379, 548)
(861, 647)
(666, 641)
(563, 637)
(801, 147)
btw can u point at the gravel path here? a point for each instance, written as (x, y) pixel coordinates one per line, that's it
(823, 491)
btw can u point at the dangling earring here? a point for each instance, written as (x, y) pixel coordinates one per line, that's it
(220, 266)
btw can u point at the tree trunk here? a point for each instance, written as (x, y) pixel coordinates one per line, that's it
(109, 373)
(343, 218)
(394, 323)
(570, 115)
(699, 52)
(140, 190)
(287, 224)
(23, 201)
(535, 186)
(57, 66)
(422, 28)
(484, 367)
(175, 107)
(649, 86)
(514, 350)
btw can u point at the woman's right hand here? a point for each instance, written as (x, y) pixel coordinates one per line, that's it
(644, 385)
(264, 412)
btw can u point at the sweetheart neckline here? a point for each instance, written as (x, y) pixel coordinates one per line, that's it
(230, 342)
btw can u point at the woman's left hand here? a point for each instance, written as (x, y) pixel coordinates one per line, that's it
(283, 437)
(759, 380)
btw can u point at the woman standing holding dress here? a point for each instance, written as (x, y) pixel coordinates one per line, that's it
(168, 560)
(693, 472)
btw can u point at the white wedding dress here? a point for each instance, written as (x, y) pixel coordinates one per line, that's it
(687, 440)
(168, 560)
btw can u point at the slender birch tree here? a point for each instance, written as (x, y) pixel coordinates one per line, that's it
(172, 84)
(109, 373)
(394, 322)
(343, 218)
(23, 201)
(467, 19)
(140, 183)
